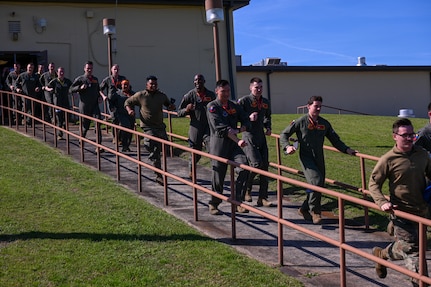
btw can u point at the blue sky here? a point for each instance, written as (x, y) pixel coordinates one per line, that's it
(335, 32)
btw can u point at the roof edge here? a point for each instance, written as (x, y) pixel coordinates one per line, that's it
(235, 4)
(330, 68)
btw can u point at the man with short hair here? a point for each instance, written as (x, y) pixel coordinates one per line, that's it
(405, 167)
(40, 96)
(59, 87)
(110, 87)
(259, 112)
(28, 84)
(223, 118)
(87, 86)
(311, 130)
(194, 104)
(151, 102)
(124, 119)
(10, 82)
(45, 79)
(12, 76)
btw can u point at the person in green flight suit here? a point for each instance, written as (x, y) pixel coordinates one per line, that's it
(311, 130)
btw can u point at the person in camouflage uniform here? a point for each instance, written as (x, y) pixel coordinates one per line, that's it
(405, 166)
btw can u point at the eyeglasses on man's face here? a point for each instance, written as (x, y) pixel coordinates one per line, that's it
(406, 136)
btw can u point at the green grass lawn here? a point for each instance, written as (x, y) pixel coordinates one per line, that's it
(368, 134)
(63, 224)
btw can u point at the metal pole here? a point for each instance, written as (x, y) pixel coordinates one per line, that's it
(109, 54)
(216, 51)
(109, 30)
(105, 103)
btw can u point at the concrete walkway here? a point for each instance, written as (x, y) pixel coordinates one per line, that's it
(313, 262)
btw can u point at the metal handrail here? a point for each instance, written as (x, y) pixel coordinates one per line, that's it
(302, 110)
(281, 222)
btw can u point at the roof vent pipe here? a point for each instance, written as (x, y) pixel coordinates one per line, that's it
(361, 61)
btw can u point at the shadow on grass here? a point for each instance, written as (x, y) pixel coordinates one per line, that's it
(100, 236)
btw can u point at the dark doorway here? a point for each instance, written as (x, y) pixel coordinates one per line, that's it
(8, 58)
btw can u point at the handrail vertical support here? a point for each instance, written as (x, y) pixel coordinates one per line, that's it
(423, 270)
(232, 197)
(194, 189)
(364, 187)
(116, 135)
(342, 240)
(171, 148)
(280, 225)
(66, 120)
(106, 112)
(81, 138)
(2, 110)
(42, 108)
(138, 155)
(99, 165)
(277, 144)
(165, 178)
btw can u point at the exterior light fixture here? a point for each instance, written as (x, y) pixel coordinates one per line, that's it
(109, 29)
(40, 24)
(108, 26)
(214, 14)
(214, 11)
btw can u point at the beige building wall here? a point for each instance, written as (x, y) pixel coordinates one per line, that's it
(369, 92)
(175, 42)
(172, 42)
